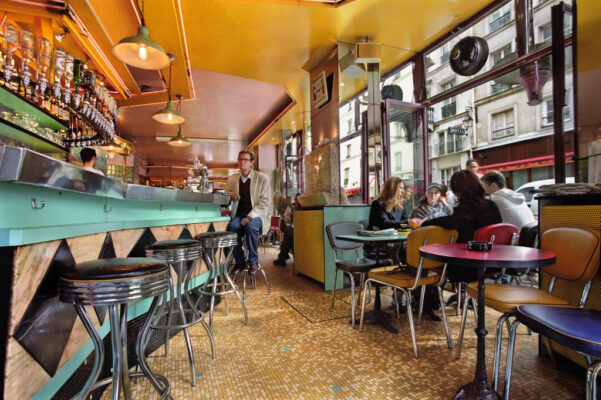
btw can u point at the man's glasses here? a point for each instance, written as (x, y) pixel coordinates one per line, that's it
(244, 159)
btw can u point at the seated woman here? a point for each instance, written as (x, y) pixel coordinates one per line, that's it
(388, 210)
(432, 205)
(472, 212)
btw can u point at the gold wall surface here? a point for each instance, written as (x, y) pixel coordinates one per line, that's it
(308, 244)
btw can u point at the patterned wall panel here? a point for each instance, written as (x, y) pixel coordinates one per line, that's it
(125, 240)
(167, 232)
(220, 225)
(24, 376)
(30, 265)
(197, 229)
(86, 248)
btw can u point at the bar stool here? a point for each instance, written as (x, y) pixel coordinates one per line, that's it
(116, 282)
(253, 281)
(180, 254)
(218, 249)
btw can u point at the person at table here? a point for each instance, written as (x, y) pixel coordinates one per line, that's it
(389, 209)
(512, 205)
(432, 205)
(251, 194)
(472, 212)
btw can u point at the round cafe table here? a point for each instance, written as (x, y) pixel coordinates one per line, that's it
(501, 256)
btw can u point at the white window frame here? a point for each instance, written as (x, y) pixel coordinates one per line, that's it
(544, 109)
(491, 116)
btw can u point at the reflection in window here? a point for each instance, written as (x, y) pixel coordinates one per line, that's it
(502, 124)
(347, 172)
(398, 161)
(500, 18)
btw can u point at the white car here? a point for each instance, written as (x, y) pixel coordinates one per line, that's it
(526, 189)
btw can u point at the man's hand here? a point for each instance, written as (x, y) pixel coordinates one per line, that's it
(234, 196)
(245, 220)
(443, 200)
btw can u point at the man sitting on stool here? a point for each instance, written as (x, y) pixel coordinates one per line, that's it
(252, 203)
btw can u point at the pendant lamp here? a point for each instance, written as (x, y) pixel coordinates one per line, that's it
(140, 51)
(169, 115)
(111, 146)
(179, 140)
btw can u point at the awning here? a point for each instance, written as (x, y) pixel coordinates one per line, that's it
(352, 191)
(534, 162)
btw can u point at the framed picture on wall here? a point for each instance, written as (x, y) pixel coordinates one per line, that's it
(319, 90)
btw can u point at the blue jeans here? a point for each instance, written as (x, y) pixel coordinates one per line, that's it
(251, 230)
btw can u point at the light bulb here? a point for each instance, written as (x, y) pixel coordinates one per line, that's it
(143, 53)
(170, 116)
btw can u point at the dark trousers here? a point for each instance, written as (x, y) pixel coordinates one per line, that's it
(287, 244)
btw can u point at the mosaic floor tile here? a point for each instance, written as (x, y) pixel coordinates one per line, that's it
(330, 360)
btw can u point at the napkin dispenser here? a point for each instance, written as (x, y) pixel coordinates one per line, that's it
(479, 246)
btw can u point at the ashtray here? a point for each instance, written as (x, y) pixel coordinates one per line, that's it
(479, 246)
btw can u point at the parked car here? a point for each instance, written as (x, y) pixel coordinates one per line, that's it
(526, 190)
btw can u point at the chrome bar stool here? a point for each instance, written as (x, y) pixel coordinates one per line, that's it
(116, 282)
(218, 249)
(181, 255)
(253, 281)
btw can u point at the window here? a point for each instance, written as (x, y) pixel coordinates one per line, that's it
(398, 161)
(547, 111)
(397, 131)
(446, 52)
(349, 126)
(445, 175)
(348, 150)
(500, 18)
(500, 54)
(502, 124)
(347, 172)
(545, 34)
(449, 106)
(441, 143)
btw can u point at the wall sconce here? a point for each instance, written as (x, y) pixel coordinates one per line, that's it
(468, 122)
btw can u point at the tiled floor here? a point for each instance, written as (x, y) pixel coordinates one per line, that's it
(296, 347)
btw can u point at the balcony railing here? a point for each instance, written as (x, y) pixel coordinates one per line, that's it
(499, 133)
(499, 87)
(449, 110)
(500, 22)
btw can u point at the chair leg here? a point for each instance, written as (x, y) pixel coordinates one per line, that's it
(550, 351)
(462, 329)
(410, 318)
(421, 304)
(509, 365)
(98, 351)
(591, 381)
(365, 290)
(397, 303)
(459, 291)
(334, 288)
(352, 279)
(361, 282)
(444, 318)
(497, 356)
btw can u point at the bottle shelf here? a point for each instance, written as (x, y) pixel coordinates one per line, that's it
(38, 143)
(11, 99)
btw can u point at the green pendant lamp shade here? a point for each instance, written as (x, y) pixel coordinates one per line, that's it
(169, 115)
(140, 51)
(179, 140)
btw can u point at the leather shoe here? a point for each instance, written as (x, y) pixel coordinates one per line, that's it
(279, 262)
(432, 316)
(253, 269)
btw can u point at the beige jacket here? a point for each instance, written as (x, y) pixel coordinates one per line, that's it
(260, 197)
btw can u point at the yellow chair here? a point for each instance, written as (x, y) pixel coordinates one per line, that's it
(577, 259)
(399, 278)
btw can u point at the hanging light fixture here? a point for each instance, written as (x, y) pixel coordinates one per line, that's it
(140, 51)
(179, 140)
(169, 115)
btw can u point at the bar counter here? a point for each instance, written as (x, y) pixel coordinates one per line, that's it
(55, 214)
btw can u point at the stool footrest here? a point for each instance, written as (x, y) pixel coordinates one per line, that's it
(166, 385)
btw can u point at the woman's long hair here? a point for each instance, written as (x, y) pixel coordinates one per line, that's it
(467, 187)
(388, 195)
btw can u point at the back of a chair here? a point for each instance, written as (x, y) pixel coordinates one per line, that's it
(433, 234)
(503, 233)
(275, 222)
(529, 235)
(576, 251)
(343, 228)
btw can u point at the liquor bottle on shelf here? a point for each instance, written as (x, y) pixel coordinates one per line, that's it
(11, 37)
(26, 58)
(68, 78)
(77, 80)
(44, 51)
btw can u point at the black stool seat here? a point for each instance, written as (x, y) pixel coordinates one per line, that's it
(166, 245)
(361, 265)
(113, 268)
(215, 240)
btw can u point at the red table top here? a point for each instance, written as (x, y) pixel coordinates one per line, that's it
(500, 256)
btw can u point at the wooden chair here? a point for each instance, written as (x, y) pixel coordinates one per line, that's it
(401, 279)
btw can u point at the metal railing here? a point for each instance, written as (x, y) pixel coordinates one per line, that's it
(499, 87)
(499, 133)
(500, 22)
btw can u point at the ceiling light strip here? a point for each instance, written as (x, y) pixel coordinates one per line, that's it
(85, 39)
(186, 57)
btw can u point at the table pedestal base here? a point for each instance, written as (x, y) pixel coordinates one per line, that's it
(378, 317)
(476, 391)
